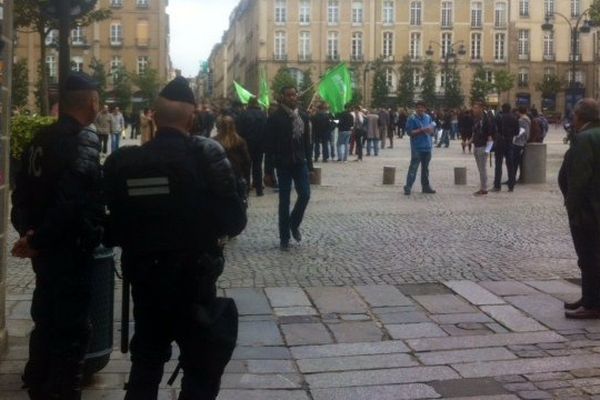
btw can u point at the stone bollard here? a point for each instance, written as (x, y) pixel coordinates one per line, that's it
(534, 163)
(460, 175)
(315, 176)
(389, 175)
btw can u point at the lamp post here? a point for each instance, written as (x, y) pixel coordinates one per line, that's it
(582, 25)
(449, 54)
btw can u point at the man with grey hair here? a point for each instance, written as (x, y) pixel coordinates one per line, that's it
(579, 180)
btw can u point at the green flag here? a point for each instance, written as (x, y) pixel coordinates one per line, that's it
(336, 88)
(263, 94)
(242, 93)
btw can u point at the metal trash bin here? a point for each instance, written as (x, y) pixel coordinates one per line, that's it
(101, 311)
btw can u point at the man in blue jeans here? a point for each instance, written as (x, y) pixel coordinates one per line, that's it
(287, 144)
(419, 128)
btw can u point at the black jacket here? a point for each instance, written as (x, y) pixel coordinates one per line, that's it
(322, 124)
(281, 147)
(508, 128)
(346, 122)
(252, 124)
(481, 134)
(57, 192)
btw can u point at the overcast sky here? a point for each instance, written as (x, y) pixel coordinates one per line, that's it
(196, 26)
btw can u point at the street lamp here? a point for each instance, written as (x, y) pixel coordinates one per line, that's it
(449, 54)
(582, 25)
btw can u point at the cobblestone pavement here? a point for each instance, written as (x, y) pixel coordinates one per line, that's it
(390, 297)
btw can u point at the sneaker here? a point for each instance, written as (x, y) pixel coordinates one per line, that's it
(481, 193)
(429, 190)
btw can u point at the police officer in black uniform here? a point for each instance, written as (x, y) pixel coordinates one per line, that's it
(57, 211)
(170, 200)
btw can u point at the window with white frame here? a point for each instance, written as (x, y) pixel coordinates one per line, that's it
(116, 3)
(280, 45)
(500, 15)
(77, 64)
(142, 3)
(391, 81)
(549, 72)
(51, 66)
(548, 7)
(358, 12)
(116, 33)
(388, 11)
(304, 12)
(142, 64)
(489, 76)
(575, 8)
(549, 44)
(447, 13)
(500, 47)
(523, 42)
(446, 44)
(52, 37)
(297, 75)
(579, 77)
(476, 14)
(416, 12)
(524, 8)
(333, 12)
(476, 46)
(280, 11)
(116, 63)
(417, 77)
(415, 45)
(304, 46)
(357, 45)
(443, 78)
(78, 36)
(388, 44)
(333, 45)
(523, 77)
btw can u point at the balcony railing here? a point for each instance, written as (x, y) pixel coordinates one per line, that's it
(500, 25)
(142, 4)
(575, 57)
(447, 25)
(523, 84)
(116, 41)
(280, 57)
(523, 57)
(500, 60)
(142, 42)
(333, 57)
(388, 59)
(116, 4)
(307, 57)
(549, 57)
(357, 57)
(416, 58)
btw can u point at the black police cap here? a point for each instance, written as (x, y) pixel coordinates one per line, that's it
(178, 90)
(80, 81)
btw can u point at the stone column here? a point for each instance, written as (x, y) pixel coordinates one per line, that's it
(534, 163)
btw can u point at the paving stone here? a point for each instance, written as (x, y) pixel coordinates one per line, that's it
(469, 388)
(349, 349)
(525, 366)
(508, 288)
(586, 372)
(403, 317)
(235, 394)
(555, 286)
(498, 339)
(534, 395)
(270, 366)
(163, 394)
(567, 393)
(378, 361)
(383, 296)
(513, 319)
(249, 301)
(548, 385)
(237, 367)
(444, 319)
(379, 377)
(510, 379)
(21, 310)
(423, 289)
(336, 300)
(352, 332)
(444, 304)
(496, 328)
(398, 309)
(592, 389)
(515, 387)
(409, 331)
(474, 293)
(585, 382)
(456, 330)
(355, 317)
(412, 391)
(287, 297)
(254, 381)
(261, 353)
(531, 354)
(549, 376)
(463, 356)
(259, 333)
(495, 397)
(314, 333)
(294, 311)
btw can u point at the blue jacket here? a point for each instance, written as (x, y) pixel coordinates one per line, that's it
(420, 142)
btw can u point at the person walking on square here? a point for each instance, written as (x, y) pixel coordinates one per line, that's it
(483, 134)
(384, 124)
(373, 135)
(420, 128)
(117, 128)
(322, 126)
(520, 141)
(345, 127)
(579, 180)
(507, 129)
(287, 145)
(465, 129)
(235, 147)
(103, 126)
(252, 128)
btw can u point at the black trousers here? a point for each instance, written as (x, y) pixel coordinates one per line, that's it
(104, 140)
(169, 294)
(517, 161)
(504, 152)
(256, 156)
(60, 337)
(587, 246)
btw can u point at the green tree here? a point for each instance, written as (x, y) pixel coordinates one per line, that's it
(452, 90)
(20, 83)
(428, 92)
(148, 83)
(549, 86)
(406, 86)
(595, 12)
(379, 90)
(282, 79)
(29, 17)
(480, 87)
(307, 89)
(122, 88)
(98, 73)
(503, 81)
(357, 97)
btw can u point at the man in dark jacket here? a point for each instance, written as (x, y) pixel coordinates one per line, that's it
(287, 144)
(252, 127)
(323, 126)
(57, 210)
(483, 133)
(170, 200)
(507, 128)
(580, 183)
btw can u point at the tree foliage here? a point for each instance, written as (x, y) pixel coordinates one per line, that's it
(148, 83)
(282, 79)
(503, 81)
(379, 90)
(428, 92)
(549, 86)
(98, 73)
(480, 86)
(122, 88)
(595, 12)
(406, 84)
(306, 88)
(20, 83)
(453, 94)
